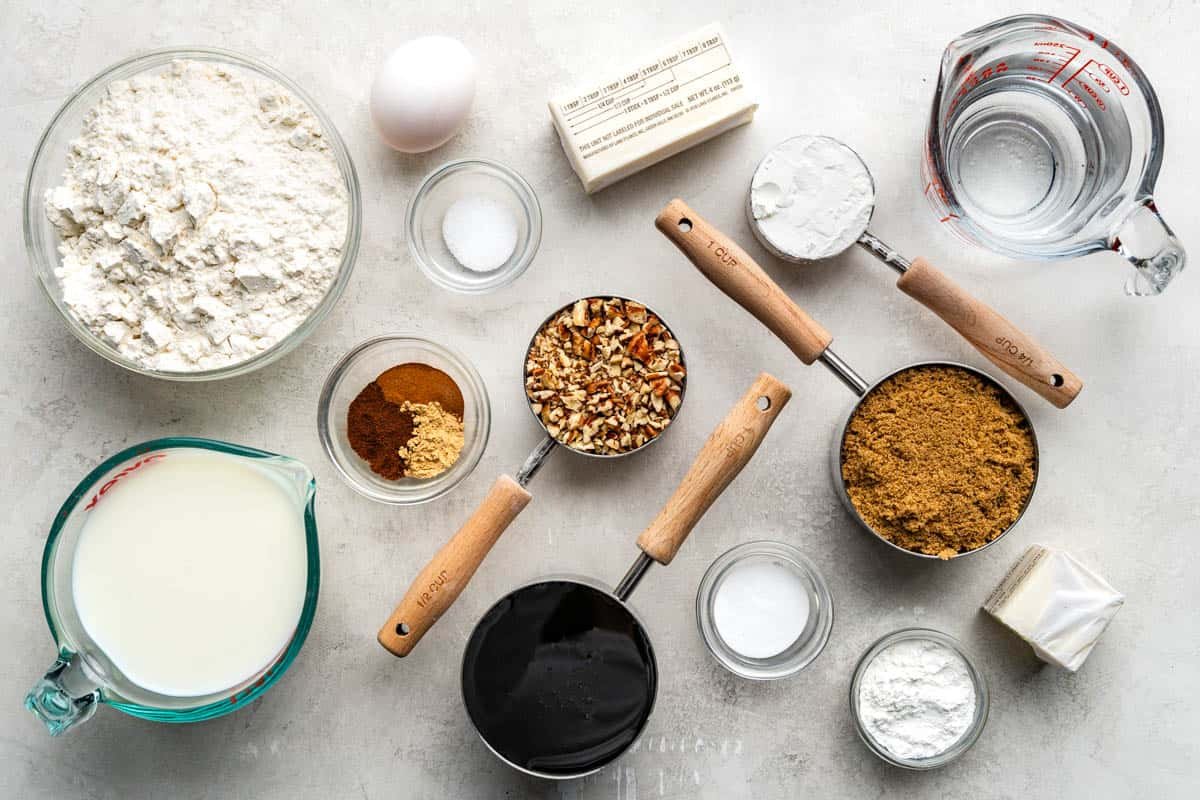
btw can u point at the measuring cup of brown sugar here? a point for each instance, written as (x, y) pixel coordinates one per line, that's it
(605, 377)
(937, 459)
(915, 442)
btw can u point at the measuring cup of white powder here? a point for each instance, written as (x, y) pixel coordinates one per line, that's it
(812, 197)
(917, 699)
(764, 611)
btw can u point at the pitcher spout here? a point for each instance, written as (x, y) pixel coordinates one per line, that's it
(58, 702)
(1146, 240)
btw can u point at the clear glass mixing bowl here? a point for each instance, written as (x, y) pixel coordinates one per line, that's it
(46, 169)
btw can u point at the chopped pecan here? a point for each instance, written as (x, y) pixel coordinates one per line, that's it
(604, 375)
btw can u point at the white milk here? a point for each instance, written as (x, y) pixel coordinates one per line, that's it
(190, 572)
(761, 607)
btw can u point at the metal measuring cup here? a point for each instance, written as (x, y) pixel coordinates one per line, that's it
(862, 389)
(551, 701)
(997, 339)
(443, 579)
(735, 273)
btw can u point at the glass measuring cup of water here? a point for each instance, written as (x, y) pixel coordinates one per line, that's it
(85, 676)
(1045, 140)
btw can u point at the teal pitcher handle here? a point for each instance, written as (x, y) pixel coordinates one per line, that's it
(57, 706)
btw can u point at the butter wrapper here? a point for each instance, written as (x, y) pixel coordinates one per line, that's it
(1056, 604)
(685, 93)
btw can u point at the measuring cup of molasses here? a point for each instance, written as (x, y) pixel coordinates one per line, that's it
(1045, 140)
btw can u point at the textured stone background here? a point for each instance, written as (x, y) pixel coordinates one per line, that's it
(1118, 487)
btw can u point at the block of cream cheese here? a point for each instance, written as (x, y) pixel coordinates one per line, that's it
(1056, 604)
(684, 94)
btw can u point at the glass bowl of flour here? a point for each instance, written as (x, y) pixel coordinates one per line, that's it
(192, 214)
(917, 699)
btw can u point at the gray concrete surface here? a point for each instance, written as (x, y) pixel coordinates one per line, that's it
(1118, 487)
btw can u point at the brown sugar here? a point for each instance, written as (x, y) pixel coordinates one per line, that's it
(939, 461)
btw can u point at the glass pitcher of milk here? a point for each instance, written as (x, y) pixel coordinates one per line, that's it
(179, 581)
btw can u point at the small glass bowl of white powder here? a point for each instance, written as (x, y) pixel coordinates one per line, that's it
(917, 699)
(764, 611)
(473, 226)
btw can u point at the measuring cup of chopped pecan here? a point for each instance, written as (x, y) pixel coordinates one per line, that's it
(604, 376)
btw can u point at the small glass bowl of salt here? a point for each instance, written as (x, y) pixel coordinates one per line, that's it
(473, 226)
(764, 610)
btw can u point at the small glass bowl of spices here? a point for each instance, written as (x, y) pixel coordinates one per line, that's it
(764, 610)
(404, 419)
(917, 699)
(473, 226)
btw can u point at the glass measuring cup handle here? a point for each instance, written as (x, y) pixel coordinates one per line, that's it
(64, 697)
(1145, 239)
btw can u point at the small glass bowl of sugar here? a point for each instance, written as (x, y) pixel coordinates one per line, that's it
(764, 610)
(473, 226)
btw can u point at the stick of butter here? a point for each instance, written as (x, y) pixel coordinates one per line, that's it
(1056, 604)
(681, 96)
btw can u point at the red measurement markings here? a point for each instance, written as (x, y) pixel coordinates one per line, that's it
(972, 79)
(1103, 79)
(1119, 84)
(115, 478)
(936, 187)
(1054, 54)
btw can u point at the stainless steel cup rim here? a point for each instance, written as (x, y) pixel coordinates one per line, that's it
(682, 386)
(841, 436)
(603, 588)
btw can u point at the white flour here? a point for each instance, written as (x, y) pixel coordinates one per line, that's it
(916, 698)
(202, 216)
(810, 198)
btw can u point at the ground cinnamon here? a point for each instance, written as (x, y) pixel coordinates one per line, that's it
(377, 430)
(421, 384)
(408, 422)
(938, 460)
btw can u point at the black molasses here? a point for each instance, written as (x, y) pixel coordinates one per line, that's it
(559, 677)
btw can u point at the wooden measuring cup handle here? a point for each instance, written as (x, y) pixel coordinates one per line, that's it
(736, 274)
(727, 450)
(1001, 342)
(442, 580)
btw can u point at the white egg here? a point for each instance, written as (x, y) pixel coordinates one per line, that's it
(422, 93)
